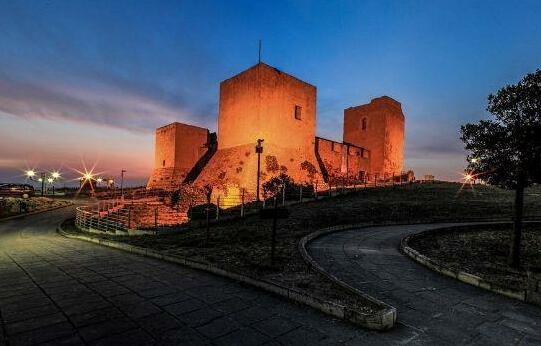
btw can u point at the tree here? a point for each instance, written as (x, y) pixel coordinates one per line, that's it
(506, 151)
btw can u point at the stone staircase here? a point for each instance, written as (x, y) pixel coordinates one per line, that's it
(167, 179)
(146, 215)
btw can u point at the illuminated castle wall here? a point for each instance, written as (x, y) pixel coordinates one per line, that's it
(378, 126)
(263, 102)
(178, 147)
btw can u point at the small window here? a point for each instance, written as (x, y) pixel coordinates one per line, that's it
(363, 124)
(163, 163)
(298, 112)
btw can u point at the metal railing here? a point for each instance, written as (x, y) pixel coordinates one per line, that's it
(122, 215)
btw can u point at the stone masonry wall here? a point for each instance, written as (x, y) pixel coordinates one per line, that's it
(178, 147)
(342, 159)
(382, 133)
(260, 103)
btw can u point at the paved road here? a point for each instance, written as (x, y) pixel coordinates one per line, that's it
(55, 290)
(434, 308)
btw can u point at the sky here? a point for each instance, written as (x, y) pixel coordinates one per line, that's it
(87, 82)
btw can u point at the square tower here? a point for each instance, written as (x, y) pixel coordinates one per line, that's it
(264, 102)
(379, 127)
(178, 147)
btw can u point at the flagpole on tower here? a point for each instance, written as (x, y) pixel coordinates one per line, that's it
(259, 60)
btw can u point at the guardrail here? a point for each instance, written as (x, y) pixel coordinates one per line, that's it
(149, 210)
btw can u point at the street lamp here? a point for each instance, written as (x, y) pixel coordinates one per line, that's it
(259, 151)
(122, 183)
(31, 174)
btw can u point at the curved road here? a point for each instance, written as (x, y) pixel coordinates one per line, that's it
(55, 290)
(432, 309)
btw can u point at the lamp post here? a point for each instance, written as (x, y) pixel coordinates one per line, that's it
(30, 174)
(122, 183)
(258, 150)
(42, 180)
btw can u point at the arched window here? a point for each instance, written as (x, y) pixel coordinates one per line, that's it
(363, 124)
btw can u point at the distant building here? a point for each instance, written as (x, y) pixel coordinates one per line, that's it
(263, 102)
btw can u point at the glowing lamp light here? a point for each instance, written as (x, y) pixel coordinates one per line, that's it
(468, 177)
(30, 173)
(50, 180)
(40, 179)
(87, 176)
(474, 160)
(55, 175)
(99, 180)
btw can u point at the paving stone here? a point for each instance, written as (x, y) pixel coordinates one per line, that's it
(183, 336)
(106, 328)
(179, 309)
(199, 317)
(528, 340)
(303, 336)
(218, 327)
(276, 326)
(159, 323)
(41, 335)
(95, 316)
(124, 299)
(245, 336)
(169, 299)
(85, 306)
(252, 315)
(232, 305)
(138, 310)
(130, 337)
(522, 327)
(10, 316)
(73, 340)
(34, 323)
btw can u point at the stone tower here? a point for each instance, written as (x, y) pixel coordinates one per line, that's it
(264, 102)
(379, 127)
(178, 148)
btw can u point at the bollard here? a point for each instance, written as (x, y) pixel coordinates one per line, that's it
(330, 189)
(207, 210)
(273, 243)
(242, 204)
(218, 208)
(300, 194)
(156, 218)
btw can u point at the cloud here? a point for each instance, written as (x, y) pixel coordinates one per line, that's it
(112, 104)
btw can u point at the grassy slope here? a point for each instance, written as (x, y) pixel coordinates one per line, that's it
(244, 244)
(483, 251)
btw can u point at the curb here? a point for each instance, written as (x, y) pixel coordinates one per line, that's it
(383, 319)
(35, 212)
(522, 295)
(375, 322)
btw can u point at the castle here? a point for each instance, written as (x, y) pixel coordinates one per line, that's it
(263, 102)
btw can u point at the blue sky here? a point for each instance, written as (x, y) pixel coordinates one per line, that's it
(90, 80)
